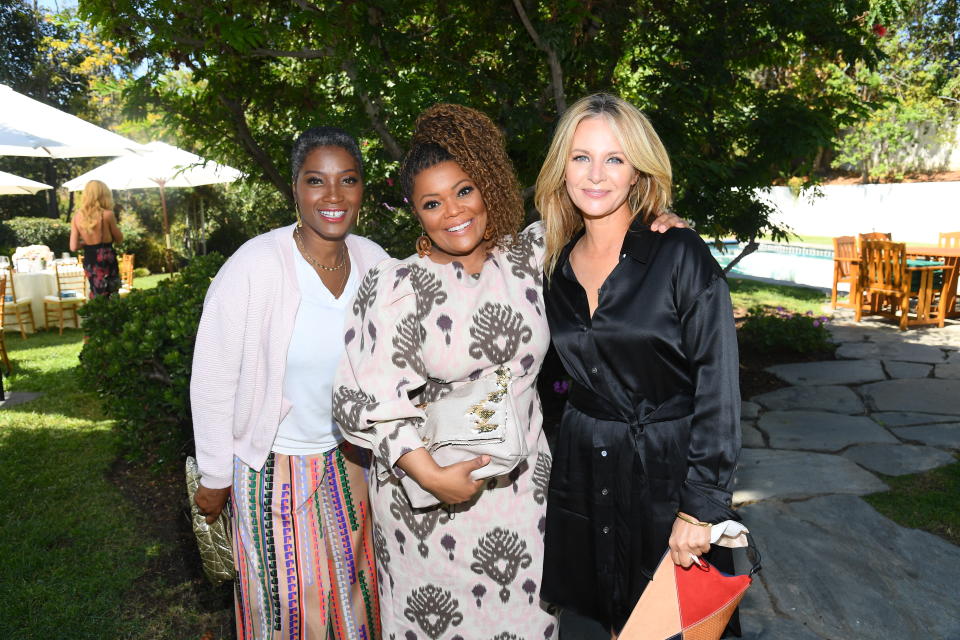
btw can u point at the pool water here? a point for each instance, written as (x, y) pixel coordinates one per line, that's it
(811, 266)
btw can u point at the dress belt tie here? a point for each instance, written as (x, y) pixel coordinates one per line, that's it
(589, 402)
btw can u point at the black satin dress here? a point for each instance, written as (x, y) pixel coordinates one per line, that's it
(652, 425)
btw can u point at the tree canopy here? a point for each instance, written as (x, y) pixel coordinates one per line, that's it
(239, 79)
(914, 92)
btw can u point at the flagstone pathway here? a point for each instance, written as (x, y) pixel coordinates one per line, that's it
(832, 566)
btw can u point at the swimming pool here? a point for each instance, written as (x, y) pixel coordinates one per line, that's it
(810, 266)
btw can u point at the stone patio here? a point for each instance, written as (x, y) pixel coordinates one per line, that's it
(833, 567)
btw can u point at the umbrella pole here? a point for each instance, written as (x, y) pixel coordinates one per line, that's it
(166, 227)
(203, 231)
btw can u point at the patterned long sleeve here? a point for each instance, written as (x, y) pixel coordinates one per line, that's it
(382, 366)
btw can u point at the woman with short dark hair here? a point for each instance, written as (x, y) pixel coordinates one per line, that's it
(267, 347)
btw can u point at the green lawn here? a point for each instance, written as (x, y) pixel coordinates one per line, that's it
(70, 543)
(150, 281)
(749, 293)
(928, 501)
(76, 559)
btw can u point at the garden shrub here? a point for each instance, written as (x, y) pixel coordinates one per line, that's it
(138, 358)
(141, 272)
(780, 330)
(47, 231)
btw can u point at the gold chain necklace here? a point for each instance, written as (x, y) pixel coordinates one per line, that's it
(309, 258)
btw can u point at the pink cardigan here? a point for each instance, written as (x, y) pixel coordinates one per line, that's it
(236, 386)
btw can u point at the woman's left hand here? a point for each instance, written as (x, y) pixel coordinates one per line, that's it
(688, 540)
(666, 221)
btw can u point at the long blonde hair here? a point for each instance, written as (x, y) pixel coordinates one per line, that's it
(96, 197)
(643, 149)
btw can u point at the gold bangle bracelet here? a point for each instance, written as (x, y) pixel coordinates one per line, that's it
(686, 519)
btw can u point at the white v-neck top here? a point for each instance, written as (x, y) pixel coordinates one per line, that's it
(315, 350)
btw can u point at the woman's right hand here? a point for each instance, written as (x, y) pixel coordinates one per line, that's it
(451, 484)
(211, 501)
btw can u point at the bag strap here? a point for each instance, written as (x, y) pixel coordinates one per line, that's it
(753, 554)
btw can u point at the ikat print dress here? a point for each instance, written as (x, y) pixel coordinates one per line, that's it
(417, 330)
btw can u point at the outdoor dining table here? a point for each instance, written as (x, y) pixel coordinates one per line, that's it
(949, 256)
(35, 285)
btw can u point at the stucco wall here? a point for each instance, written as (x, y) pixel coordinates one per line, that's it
(913, 212)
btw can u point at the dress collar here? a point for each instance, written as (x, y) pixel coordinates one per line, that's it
(635, 244)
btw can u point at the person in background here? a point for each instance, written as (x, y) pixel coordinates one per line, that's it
(94, 229)
(267, 348)
(643, 323)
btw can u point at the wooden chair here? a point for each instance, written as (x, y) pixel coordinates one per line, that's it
(3, 334)
(845, 269)
(126, 273)
(20, 310)
(886, 280)
(72, 293)
(876, 235)
(950, 240)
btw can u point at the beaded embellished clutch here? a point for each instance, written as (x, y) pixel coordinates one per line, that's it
(475, 419)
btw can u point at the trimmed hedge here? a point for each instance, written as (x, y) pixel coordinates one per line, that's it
(20, 232)
(138, 357)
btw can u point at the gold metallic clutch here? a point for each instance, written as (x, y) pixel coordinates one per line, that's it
(215, 540)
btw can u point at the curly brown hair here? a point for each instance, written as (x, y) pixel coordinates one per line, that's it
(475, 143)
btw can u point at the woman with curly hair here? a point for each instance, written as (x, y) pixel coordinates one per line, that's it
(468, 302)
(94, 228)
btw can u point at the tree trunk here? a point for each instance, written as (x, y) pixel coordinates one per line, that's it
(50, 177)
(747, 250)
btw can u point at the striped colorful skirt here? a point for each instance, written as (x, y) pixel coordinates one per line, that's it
(303, 547)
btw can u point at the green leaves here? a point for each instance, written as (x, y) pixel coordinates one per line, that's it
(138, 355)
(734, 89)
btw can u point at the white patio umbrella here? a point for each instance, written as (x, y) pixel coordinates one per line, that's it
(15, 185)
(31, 128)
(160, 165)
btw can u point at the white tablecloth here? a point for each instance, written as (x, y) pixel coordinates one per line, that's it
(35, 286)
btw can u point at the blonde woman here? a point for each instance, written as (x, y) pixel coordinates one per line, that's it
(643, 323)
(94, 229)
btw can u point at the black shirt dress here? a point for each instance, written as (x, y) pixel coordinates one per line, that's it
(652, 425)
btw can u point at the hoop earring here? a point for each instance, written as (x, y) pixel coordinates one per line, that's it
(423, 245)
(299, 219)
